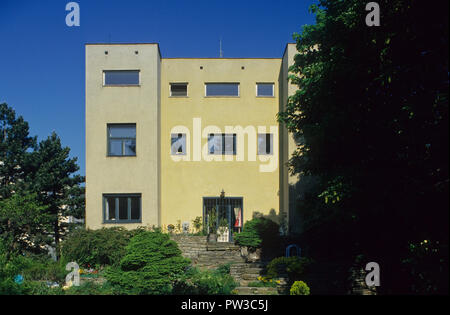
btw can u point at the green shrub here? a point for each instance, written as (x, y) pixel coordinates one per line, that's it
(45, 269)
(41, 288)
(32, 269)
(263, 283)
(224, 269)
(259, 232)
(205, 282)
(299, 288)
(293, 266)
(91, 288)
(151, 263)
(97, 248)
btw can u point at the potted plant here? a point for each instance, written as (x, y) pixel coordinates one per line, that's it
(212, 225)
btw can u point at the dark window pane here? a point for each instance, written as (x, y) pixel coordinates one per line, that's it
(130, 147)
(122, 131)
(211, 144)
(222, 89)
(135, 208)
(122, 77)
(123, 208)
(110, 208)
(178, 89)
(115, 147)
(265, 89)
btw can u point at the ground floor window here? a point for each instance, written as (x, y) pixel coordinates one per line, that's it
(227, 209)
(122, 208)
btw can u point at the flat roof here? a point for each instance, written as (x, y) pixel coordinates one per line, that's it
(125, 44)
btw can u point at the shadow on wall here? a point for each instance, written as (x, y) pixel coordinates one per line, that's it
(297, 193)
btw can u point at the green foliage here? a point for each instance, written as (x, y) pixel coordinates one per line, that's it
(212, 221)
(259, 232)
(53, 180)
(36, 182)
(152, 262)
(32, 269)
(91, 288)
(263, 282)
(15, 143)
(299, 288)
(293, 266)
(23, 224)
(427, 262)
(197, 223)
(205, 282)
(370, 117)
(224, 269)
(106, 246)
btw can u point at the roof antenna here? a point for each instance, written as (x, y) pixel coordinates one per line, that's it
(220, 49)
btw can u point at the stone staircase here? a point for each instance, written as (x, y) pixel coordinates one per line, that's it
(206, 255)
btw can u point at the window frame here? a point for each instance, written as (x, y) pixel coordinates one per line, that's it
(117, 210)
(121, 85)
(273, 89)
(223, 151)
(178, 83)
(225, 96)
(108, 138)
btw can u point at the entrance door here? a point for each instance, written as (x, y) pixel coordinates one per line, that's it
(229, 213)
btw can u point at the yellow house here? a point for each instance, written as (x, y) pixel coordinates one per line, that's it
(170, 139)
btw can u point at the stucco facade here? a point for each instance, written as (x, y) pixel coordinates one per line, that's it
(173, 187)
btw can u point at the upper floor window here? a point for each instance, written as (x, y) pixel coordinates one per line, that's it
(121, 77)
(178, 143)
(178, 89)
(122, 208)
(265, 143)
(265, 89)
(222, 143)
(121, 139)
(222, 89)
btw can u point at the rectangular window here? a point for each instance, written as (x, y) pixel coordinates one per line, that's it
(222, 89)
(178, 89)
(265, 144)
(121, 139)
(178, 143)
(264, 89)
(121, 77)
(221, 143)
(122, 208)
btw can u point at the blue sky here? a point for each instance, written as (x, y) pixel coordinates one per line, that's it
(42, 60)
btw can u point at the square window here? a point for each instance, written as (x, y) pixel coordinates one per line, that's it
(121, 139)
(178, 89)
